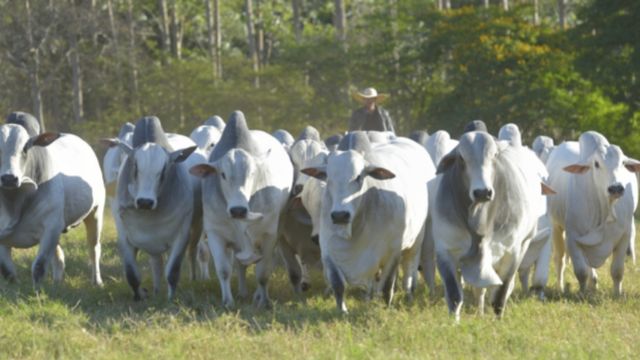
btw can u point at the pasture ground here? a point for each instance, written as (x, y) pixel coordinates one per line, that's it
(77, 320)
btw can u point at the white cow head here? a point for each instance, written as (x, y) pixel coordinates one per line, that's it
(239, 176)
(510, 133)
(206, 137)
(605, 164)
(476, 153)
(542, 146)
(150, 164)
(301, 153)
(346, 174)
(17, 168)
(113, 159)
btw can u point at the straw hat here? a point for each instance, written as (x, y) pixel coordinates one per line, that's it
(369, 93)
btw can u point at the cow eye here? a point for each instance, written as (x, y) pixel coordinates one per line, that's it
(597, 165)
(359, 179)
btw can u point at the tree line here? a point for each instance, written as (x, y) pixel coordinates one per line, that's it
(551, 66)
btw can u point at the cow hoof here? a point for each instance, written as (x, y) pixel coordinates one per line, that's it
(261, 302)
(305, 286)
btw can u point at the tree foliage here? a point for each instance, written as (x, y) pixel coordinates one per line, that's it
(441, 67)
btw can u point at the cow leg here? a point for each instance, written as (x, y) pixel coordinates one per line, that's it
(93, 227)
(559, 254)
(204, 256)
(452, 290)
(388, 287)
(57, 265)
(336, 280)
(409, 262)
(581, 269)
(428, 258)
(7, 267)
(523, 274)
(46, 251)
(243, 290)
(179, 248)
(157, 267)
(195, 234)
(479, 294)
(617, 264)
(508, 267)
(128, 254)
(294, 268)
(263, 272)
(305, 284)
(541, 273)
(221, 261)
(632, 243)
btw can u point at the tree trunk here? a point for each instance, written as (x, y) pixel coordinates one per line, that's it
(340, 20)
(133, 63)
(486, 4)
(505, 5)
(34, 70)
(210, 38)
(297, 23)
(562, 13)
(252, 41)
(175, 30)
(447, 4)
(262, 56)
(536, 12)
(164, 25)
(76, 78)
(218, 25)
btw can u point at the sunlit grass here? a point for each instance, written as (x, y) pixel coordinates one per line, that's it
(77, 320)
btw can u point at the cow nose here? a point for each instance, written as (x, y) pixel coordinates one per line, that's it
(340, 217)
(297, 189)
(238, 212)
(145, 204)
(482, 195)
(616, 190)
(9, 180)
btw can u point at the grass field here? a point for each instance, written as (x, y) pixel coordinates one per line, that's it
(76, 320)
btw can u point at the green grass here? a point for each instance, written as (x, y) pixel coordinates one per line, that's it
(77, 320)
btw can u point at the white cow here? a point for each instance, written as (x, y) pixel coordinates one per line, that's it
(437, 145)
(155, 206)
(485, 214)
(543, 146)
(372, 217)
(246, 186)
(298, 249)
(597, 195)
(49, 183)
(539, 252)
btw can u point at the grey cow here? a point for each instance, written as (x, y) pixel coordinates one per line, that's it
(486, 210)
(155, 205)
(49, 183)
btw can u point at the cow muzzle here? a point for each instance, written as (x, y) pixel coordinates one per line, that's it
(145, 204)
(482, 195)
(340, 217)
(9, 181)
(238, 212)
(615, 191)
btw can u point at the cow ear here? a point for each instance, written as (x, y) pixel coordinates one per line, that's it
(632, 165)
(379, 173)
(546, 189)
(577, 168)
(113, 142)
(179, 156)
(318, 172)
(44, 139)
(447, 161)
(203, 170)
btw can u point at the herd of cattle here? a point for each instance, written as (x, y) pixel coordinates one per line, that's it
(364, 206)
